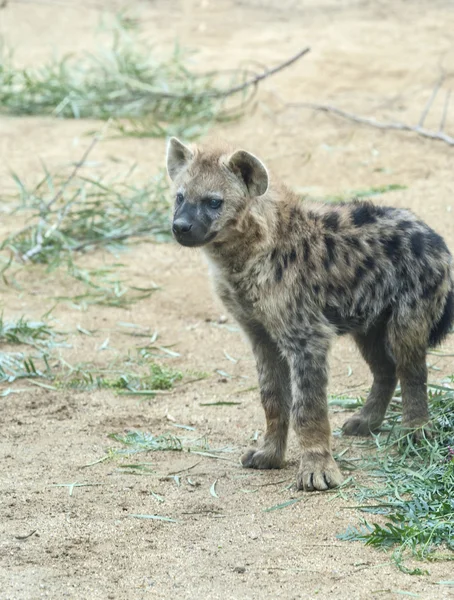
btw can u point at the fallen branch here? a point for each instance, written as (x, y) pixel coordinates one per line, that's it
(267, 73)
(253, 81)
(428, 106)
(371, 122)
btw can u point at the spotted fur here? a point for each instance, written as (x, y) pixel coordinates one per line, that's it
(295, 275)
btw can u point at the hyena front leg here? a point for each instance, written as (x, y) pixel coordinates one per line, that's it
(275, 393)
(309, 379)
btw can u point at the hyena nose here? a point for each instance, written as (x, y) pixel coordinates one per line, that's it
(181, 226)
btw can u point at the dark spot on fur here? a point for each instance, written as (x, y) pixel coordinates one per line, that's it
(273, 254)
(353, 241)
(294, 213)
(430, 284)
(301, 341)
(364, 214)
(436, 242)
(331, 221)
(404, 225)
(392, 246)
(316, 289)
(331, 251)
(278, 274)
(314, 216)
(347, 258)
(440, 330)
(369, 263)
(413, 304)
(360, 272)
(417, 243)
(307, 250)
(379, 278)
(292, 255)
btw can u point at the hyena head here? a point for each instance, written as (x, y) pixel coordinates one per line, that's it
(213, 188)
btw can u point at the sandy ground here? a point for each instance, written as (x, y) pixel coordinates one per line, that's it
(379, 58)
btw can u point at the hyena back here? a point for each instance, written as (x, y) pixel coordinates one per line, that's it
(294, 275)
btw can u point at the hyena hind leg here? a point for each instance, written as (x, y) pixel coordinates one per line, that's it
(275, 392)
(409, 346)
(374, 348)
(412, 372)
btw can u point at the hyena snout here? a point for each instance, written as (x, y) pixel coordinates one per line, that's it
(181, 227)
(191, 234)
(188, 229)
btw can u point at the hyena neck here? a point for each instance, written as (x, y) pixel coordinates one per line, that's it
(256, 232)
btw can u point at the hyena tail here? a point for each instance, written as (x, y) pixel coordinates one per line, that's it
(443, 326)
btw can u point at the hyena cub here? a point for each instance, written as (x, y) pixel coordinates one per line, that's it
(294, 275)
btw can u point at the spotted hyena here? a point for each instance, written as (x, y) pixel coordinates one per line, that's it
(295, 274)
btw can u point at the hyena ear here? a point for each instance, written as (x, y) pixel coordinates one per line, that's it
(250, 170)
(178, 156)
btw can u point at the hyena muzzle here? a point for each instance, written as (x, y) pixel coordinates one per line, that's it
(294, 275)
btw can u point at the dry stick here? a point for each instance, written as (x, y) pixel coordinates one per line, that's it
(79, 164)
(425, 112)
(433, 135)
(445, 110)
(264, 75)
(253, 81)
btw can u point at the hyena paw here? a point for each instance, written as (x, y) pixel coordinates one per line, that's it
(358, 425)
(318, 472)
(418, 431)
(261, 459)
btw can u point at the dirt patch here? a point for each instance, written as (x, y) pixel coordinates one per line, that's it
(376, 58)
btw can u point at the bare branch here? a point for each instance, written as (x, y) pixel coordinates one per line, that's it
(267, 73)
(371, 122)
(46, 208)
(425, 112)
(78, 165)
(252, 81)
(445, 110)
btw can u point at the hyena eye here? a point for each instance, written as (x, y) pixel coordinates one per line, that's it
(179, 198)
(214, 203)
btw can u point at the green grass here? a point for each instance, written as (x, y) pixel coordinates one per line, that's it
(127, 80)
(67, 217)
(123, 379)
(136, 442)
(38, 335)
(17, 365)
(412, 487)
(23, 331)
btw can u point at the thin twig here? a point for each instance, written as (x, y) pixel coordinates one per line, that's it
(112, 238)
(46, 209)
(265, 74)
(253, 81)
(445, 110)
(79, 164)
(24, 537)
(430, 101)
(186, 469)
(371, 122)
